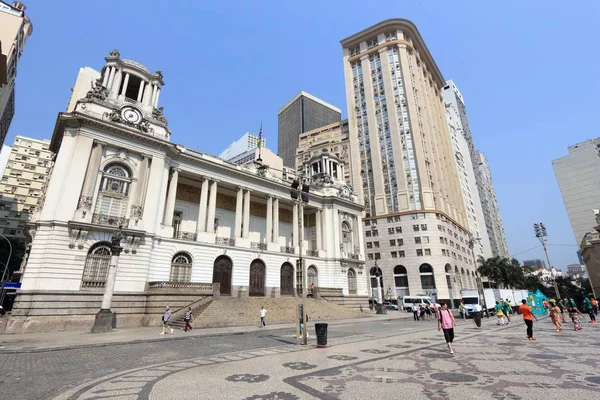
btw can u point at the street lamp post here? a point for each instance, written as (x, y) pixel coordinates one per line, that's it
(5, 270)
(477, 277)
(299, 194)
(104, 317)
(541, 233)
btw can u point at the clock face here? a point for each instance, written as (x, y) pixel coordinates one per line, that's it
(132, 115)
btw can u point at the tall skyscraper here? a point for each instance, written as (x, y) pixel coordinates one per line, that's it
(462, 141)
(578, 176)
(28, 167)
(403, 164)
(302, 113)
(15, 28)
(489, 203)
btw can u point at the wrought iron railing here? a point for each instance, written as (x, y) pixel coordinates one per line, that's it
(226, 241)
(287, 249)
(184, 235)
(313, 253)
(258, 246)
(93, 284)
(109, 220)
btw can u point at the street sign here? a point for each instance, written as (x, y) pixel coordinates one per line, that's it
(12, 285)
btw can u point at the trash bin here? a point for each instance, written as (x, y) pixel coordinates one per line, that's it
(321, 330)
(477, 318)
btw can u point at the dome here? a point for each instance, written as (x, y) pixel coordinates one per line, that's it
(135, 64)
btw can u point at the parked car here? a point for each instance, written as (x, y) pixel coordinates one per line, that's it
(390, 305)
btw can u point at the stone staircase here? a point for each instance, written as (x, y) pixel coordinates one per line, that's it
(245, 311)
(177, 321)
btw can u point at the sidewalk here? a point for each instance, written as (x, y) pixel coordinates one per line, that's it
(38, 342)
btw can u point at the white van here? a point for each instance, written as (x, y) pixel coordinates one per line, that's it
(409, 301)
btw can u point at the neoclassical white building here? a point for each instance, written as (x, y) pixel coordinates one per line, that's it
(189, 219)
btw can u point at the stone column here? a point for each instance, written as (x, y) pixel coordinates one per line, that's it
(153, 96)
(295, 232)
(319, 233)
(157, 95)
(141, 188)
(111, 77)
(106, 76)
(91, 175)
(269, 230)
(170, 207)
(116, 83)
(141, 91)
(125, 83)
(239, 201)
(146, 97)
(212, 206)
(276, 220)
(246, 224)
(202, 207)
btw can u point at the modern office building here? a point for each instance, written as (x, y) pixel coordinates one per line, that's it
(4, 154)
(15, 28)
(462, 141)
(27, 169)
(402, 158)
(302, 113)
(578, 176)
(489, 204)
(537, 263)
(333, 138)
(246, 142)
(192, 226)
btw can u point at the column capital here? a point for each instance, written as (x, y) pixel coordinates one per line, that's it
(213, 180)
(146, 156)
(175, 169)
(99, 143)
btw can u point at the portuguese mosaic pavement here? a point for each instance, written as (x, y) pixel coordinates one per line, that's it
(490, 363)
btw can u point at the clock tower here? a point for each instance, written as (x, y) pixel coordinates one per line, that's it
(127, 93)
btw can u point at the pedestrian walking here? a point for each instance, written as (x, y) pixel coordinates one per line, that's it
(421, 312)
(574, 314)
(528, 318)
(546, 306)
(446, 323)
(587, 307)
(188, 318)
(499, 313)
(506, 310)
(561, 306)
(263, 314)
(165, 321)
(427, 312)
(415, 311)
(462, 310)
(594, 305)
(554, 313)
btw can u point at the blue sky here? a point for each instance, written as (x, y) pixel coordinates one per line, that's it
(528, 71)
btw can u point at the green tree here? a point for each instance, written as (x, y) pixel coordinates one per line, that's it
(493, 268)
(18, 251)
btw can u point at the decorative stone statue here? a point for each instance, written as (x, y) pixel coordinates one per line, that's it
(97, 91)
(116, 238)
(115, 53)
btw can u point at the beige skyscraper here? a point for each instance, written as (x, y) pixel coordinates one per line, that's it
(403, 163)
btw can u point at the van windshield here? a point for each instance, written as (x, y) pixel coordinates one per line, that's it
(426, 301)
(470, 300)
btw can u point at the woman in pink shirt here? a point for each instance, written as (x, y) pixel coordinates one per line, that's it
(446, 322)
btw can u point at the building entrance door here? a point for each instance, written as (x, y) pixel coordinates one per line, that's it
(257, 278)
(222, 274)
(287, 280)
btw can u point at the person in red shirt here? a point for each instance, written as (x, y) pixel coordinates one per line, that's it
(528, 317)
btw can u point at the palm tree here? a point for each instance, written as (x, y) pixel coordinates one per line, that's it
(494, 268)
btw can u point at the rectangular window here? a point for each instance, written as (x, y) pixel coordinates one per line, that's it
(417, 239)
(397, 218)
(390, 231)
(423, 227)
(370, 256)
(367, 222)
(390, 219)
(369, 245)
(401, 253)
(400, 242)
(378, 256)
(439, 227)
(427, 252)
(443, 252)
(375, 233)
(394, 254)
(416, 228)
(392, 242)
(420, 252)
(368, 233)
(441, 239)
(398, 229)
(425, 239)
(376, 244)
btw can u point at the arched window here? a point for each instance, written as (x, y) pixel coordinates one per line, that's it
(313, 276)
(96, 266)
(181, 268)
(401, 281)
(427, 279)
(113, 198)
(346, 237)
(449, 276)
(352, 286)
(376, 276)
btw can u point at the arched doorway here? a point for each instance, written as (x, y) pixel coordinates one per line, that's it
(401, 281)
(352, 285)
(287, 280)
(312, 276)
(427, 278)
(222, 274)
(257, 278)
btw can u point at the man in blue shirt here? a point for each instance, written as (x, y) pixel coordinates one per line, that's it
(165, 321)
